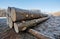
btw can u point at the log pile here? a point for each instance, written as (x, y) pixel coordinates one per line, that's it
(24, 25)
(22, 20)
(15, 14)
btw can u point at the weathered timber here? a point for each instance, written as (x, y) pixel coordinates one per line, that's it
(38, 34)
(21, 14)
(18, 26)
(15, 14)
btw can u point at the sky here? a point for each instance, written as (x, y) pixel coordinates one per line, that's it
(43, 5)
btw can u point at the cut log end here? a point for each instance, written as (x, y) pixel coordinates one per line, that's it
(16, 28)
(23, 29)
(13, 14)
(9, 20)
(10, 23)
(23, 21)
(27, 15)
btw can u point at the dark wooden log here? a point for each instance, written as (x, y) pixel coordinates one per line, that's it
(38, 34)
(18, 26)
(21, 14)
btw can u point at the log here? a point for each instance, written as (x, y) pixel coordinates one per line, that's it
(18, 26)
(38, 34)
(21, 14)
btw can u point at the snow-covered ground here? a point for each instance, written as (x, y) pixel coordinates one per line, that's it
(3, 17)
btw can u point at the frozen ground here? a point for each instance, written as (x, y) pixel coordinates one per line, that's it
(50, 27)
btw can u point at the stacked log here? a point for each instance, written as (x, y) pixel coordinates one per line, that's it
(23, 26)
(20, 14)
(15, 14)
(18, 26)
(22, 19)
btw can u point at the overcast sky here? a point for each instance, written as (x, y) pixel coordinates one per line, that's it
(43, 5)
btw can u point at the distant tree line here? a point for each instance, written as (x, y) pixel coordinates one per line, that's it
(2, 12)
